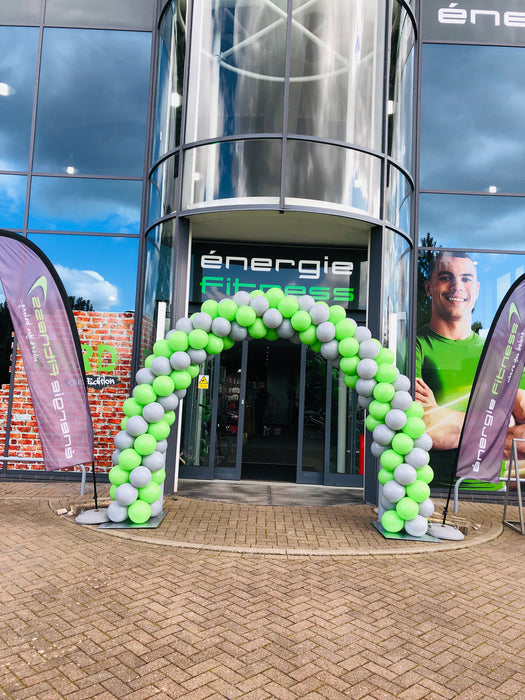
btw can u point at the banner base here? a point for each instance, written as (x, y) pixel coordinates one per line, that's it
(92, 517)
(445, 532)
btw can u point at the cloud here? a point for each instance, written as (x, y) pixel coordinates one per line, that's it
(89, 284)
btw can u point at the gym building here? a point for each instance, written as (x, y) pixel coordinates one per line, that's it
(166, 153)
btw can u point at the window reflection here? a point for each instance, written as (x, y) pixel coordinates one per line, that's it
(92, 102)
(352, 181)
(125, 14)
(163, 188)
(335, 85)
(17, 82)
(463, 221)
(158, 279)
(473, 110)
(100, 269)
(12, 200)
(398, 196)
(396, 295)
(400, 104)
(63, 204)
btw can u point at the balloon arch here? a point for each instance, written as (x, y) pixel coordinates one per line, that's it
(394, 418)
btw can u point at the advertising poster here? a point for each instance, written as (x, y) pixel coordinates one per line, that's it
(458, 295)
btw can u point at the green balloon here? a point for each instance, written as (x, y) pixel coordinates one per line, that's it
(385, 356)
(383, 392)
(131, 407)
(301, 320)
(391, 521)
(402, 443)
(150, 493)
(418, 490)
(425, 474)
(274, 296)
(415, 411)
(288, 306)
(144, 393)
(123, 423)
(211, 307)
(113, 491)
(271, 334)
(316, 347)
(162, 349)
(257, 329)
(414, 427)
(193, 371)
(372, 423)
(169, 417)
(139, 512)
(145, 444)
(198, 339)
(386, 373)
(163, 385)
(159, 430)
(129, 459)
(337, 313)
(228, 343)
(384, 475)
(256, 293)
(348, 347)
(245, 316)
(348, 365)
(407, 508)
(178, 340)
(214, 345)
(118, 476)
(149, 359)
(159, 476)
(180, 378)
(390, 459)
(227, 309)
(344, 328)
(379, 409)
(308, 337)
(351, 380)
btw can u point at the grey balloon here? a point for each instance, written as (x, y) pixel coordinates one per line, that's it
(376, 449)
(402, 383)
(272, 318)
(383, 435)
(197, 357)
(155, 461)
(153, 412)
(115, 456)
(364, 401)
(319, 313)
(117, 513)
(260, 305)
(417, 527)
(221, 327)
(367, 368)
(386, 505)
(330, 350)
(362, 333)
(184, 324)
(156, 507)
(401, 400)
(424, 442)
(169, 403)
(417, 457)
(160, 366)
(306, 302)
(144, 376)
(405, 474)
(325, 331)
(180, 360)
(126, 494)
(202, 321)
(136, 425)
(393, 492)
(242, 298)
(140, 477)
(396, 419)
(369, 349)
(426, 508)
(162, 446)
(286, 330)
(365, 387)
(180, 393)
(123, 440)
(238, 332)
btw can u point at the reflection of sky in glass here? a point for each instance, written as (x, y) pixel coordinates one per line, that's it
(473, 222)
(472, 116)
(63, 204)
(98, 268)
(17, 76)
(12, 201)
(92, 102)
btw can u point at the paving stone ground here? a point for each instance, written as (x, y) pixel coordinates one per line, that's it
(190, 611)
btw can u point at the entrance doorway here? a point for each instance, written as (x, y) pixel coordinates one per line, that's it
(272, 411)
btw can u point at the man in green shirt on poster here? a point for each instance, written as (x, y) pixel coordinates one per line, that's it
(447, 355)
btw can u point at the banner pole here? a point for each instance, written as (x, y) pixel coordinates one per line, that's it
(445, 509)
(94, 484)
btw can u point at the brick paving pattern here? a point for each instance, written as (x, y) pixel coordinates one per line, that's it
(87, 614)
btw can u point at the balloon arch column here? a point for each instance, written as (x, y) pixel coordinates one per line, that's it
(394, 418)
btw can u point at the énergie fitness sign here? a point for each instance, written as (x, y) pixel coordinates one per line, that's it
(333, 275)
(474, 21)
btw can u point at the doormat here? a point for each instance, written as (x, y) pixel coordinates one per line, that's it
(400, 535)
(127, 524)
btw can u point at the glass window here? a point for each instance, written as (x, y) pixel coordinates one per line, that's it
(158, 280)
(472, 116)
(122, 14)
(12, 201)
(170, 80)
(163, 188)
(237, 68)
(17, 84)
(16, 12)
(99, 269)
(400, 98)
(336, 70)
(242, 170)
(76, 204)
(396, 296)
(398, 199)
(350, 179)
(468, 221)
(92, 102)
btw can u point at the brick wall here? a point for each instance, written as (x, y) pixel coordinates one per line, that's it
(106, 340)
